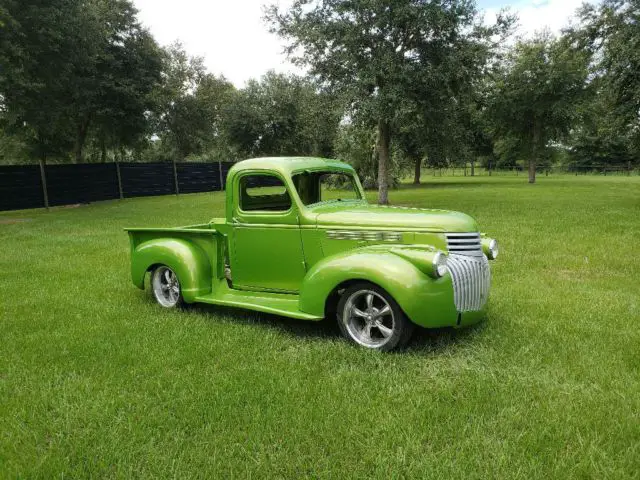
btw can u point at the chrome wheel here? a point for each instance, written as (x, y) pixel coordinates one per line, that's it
(166, 287)
(368, 318)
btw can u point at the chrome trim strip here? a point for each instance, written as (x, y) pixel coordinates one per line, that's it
(368, 235)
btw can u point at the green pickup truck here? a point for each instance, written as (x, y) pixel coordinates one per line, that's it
(300, 240)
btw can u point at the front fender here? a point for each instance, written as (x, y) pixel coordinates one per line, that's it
(426, 301)
(187, 260)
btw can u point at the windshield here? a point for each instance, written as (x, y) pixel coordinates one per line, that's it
(315, 187)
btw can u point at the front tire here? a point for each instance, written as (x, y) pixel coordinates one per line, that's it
(166, 287)
(370, 317)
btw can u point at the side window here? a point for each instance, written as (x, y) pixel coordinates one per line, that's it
(263, 193)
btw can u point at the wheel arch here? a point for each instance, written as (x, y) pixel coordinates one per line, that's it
(331, 303)
(187, 260)
(320, 287)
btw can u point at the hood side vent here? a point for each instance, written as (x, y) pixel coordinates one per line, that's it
(464, 244)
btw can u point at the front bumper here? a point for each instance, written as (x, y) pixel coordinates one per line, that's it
(467, 319)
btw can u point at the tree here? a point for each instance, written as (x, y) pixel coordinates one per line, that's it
(37, 41)
(378, 53)
(356, 145)
(609, 31)
(190, 104)
(129, 70)
(282, 115)
(71, 64)
(535, 95)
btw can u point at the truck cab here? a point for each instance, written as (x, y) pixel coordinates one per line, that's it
(299, 239)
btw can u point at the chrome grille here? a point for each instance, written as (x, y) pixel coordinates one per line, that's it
(464, 244)
(471, 281)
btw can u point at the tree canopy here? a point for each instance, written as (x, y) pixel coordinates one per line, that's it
(392, 86)
(380, 55)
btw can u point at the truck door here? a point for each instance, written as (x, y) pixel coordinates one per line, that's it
(266, 248)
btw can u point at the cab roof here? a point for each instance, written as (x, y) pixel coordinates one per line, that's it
(289, 165)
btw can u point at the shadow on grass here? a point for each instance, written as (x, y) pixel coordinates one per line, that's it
(434, 340)
(426, 341)
(298, 328)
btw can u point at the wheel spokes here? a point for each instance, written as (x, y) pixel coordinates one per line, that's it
(385, 311)
(366, 331)
(357, 312)
(384, 330)
(369, 301)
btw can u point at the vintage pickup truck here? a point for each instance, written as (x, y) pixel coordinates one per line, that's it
(300, 240)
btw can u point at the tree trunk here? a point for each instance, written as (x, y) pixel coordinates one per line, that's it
(534, 153)
(417, 172)
(81, 136)
(532, 170)
(384, 140)
(473, 168)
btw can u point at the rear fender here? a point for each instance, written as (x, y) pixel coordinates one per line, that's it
(187, 260)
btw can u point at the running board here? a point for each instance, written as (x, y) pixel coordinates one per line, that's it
(267, 302)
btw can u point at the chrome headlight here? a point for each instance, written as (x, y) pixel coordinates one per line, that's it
(490, 247)
(493, 249)
(439, 265)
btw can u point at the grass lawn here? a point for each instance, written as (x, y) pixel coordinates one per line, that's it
(97, 381)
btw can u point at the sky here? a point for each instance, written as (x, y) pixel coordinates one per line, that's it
(234, 41)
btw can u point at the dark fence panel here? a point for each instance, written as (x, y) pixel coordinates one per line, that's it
(198, 177)
(226, 166)
(146, 179)
(20, 187)
(81, 183)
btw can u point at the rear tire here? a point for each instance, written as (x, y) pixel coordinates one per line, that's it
(166, 287)
(370, 317)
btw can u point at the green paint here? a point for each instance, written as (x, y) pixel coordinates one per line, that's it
(292, 260)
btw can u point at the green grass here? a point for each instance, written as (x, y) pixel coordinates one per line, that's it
(96, 381)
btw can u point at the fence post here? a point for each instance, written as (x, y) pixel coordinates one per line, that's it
(119, 180)
(43, 179)
(175, 177)
(220, 172)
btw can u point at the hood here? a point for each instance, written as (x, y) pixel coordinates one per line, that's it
(339, 214)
